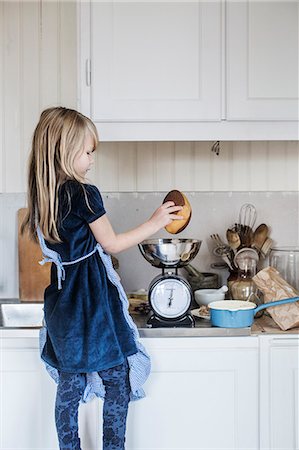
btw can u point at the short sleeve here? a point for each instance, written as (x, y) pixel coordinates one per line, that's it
(90, 204)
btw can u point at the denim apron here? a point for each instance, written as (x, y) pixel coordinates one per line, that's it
(139, 363)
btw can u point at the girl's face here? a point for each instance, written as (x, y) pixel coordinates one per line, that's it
(84, 161)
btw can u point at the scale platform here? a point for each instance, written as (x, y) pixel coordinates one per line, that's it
(186, 321)
(203, 328)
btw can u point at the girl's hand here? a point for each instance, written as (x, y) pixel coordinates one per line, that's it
(164, 215)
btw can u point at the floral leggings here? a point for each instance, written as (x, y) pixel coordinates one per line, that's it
(69, 391)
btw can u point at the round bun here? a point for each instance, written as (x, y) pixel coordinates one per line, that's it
(176, 226)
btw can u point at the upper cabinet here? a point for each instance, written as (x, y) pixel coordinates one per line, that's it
(262, 60)
(189, 70)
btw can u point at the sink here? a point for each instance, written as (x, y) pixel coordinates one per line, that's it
(24, 315)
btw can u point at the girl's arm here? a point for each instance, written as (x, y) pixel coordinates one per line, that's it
(115, 243)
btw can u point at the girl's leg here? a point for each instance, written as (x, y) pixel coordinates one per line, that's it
(69, 391)
(115, 408)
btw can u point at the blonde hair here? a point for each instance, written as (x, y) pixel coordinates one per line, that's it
(57, 140)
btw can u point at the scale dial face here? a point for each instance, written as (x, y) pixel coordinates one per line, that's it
(170, 298)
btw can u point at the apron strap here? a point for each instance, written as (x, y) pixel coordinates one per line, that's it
(54, 257)
(51, 256)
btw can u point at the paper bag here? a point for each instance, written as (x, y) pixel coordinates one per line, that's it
(274, 287)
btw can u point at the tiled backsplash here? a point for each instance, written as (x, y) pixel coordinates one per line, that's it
(212, 213)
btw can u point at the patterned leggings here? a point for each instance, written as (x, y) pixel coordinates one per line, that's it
(69, 391)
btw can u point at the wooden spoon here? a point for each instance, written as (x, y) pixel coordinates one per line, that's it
(260, 235)
(233, 239)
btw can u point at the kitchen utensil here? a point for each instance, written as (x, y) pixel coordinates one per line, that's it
(239, 314)
(233, 239)
(247, 215)
(222, 248)
(223, 289)
(206, 296)
(247, 219)
(260, 235)
(33, 278)
(168, 252)
(266, 248)
(241, 257)
(179, 199)
(219, 252)
(286, 261)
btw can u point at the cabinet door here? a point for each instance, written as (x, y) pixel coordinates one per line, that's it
(27, 398)
(202, 394)
(27, 401)
(262, 60)
(151, 61)
(280, 393)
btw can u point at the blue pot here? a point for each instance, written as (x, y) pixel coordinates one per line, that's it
(223, 317)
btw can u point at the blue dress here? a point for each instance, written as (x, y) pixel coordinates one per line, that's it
(86, 327)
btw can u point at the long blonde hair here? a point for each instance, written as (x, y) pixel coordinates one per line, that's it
(57, 140)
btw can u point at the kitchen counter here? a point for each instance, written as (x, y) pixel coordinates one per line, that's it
(203, 328)
(262, 325)
(266, 325)
(225, 371)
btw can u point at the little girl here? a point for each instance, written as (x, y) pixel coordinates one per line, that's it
(90, 344)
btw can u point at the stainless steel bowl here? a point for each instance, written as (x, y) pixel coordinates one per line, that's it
(169, 252)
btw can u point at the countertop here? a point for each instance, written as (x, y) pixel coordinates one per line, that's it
(203, 327)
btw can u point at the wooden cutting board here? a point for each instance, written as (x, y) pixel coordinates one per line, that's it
(33, 278)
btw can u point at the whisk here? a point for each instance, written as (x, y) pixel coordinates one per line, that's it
(247, 219)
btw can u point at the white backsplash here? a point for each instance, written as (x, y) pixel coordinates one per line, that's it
(213, 212)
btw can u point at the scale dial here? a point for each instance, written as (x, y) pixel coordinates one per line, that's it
(170, 297)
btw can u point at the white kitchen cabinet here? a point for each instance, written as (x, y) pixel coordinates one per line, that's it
(155, 61)
(188, 71)
(27, 398)
(262, 60)
(279, 393)
(149, 63)
(200, 395)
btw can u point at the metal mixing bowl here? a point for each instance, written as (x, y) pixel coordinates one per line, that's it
(169, 252)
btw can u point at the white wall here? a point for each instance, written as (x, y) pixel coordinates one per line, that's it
(38, 69)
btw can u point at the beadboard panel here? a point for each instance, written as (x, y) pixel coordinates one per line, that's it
(39, 69)
(212, 212)
(192, 166)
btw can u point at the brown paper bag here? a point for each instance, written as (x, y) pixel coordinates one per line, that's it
(274, 287)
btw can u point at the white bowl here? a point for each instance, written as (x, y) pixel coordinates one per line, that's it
(206, 296)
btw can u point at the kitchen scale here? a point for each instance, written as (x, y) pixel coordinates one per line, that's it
(170, 294)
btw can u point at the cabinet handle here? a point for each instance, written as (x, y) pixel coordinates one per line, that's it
(88, 72)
